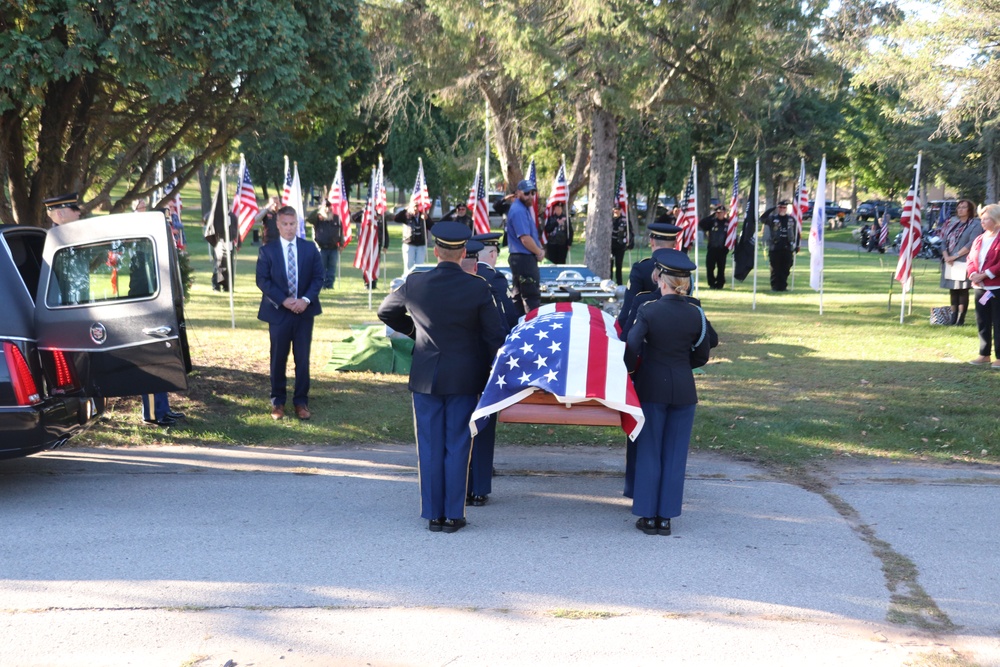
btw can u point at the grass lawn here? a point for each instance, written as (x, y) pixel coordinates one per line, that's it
(785, 386)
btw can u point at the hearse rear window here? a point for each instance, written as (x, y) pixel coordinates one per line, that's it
(110, 271)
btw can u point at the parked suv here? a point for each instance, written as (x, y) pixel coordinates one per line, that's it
(875, 208)
(107, 320)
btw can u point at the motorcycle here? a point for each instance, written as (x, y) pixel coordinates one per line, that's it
(931, 245)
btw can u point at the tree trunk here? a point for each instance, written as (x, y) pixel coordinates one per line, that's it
(992, 151)
(705, 187)
(502, 102)
(601, 190)
(205, 175)
(581, 158)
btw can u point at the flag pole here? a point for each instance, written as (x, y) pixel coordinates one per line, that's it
(229, 249)
(756, 222)
(569, 249)
(338, 217)
(694, 177)
(486, 162)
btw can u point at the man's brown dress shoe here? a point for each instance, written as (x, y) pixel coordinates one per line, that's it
(302, 412)
(277, 412)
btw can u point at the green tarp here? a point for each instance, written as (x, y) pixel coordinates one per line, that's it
(368, 349)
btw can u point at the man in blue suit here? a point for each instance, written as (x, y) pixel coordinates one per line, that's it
(290, 275)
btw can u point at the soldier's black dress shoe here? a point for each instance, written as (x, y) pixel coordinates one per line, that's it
(662, 526)
(476, 501)
(646, 525)
(175, 415)
(434, 525)
(452, 525)
(165, 420)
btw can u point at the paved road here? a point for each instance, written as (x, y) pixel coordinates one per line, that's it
(196, 556)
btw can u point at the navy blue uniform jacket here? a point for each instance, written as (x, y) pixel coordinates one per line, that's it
(662, 335)
(498, 283)
(273, 281)
(455, 325)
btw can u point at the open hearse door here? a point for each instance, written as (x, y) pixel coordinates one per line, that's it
(110, 299)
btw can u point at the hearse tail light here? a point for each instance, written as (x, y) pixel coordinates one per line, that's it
(65, 375)
(25, 389)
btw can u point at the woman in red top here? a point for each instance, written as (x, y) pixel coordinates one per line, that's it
(984, 272)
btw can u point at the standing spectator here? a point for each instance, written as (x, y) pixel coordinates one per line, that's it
(525, 249)
(984, 272)
(415, 228)
(559, 230)
(958, 234)
(715, 226)
(267, 216)
(670, 334)
(290, 276)
(460, 214)
(329, 236)
(782, 239)
(621, 240)
(456, 330)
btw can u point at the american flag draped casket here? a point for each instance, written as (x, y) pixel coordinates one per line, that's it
(571, 352)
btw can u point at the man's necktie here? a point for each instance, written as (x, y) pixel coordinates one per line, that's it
(293, 286)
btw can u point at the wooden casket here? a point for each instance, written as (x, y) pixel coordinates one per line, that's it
(542, 407)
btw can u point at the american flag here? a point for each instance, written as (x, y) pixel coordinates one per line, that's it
(480, 213)
(380, 200)
(883, 232)
(801, 205)
(420, 200)
(621, 201)
(570, 350)
(734, 209)
(912, 232)
(560, 191)
(688, 220)
(533, 177)
(245, 202)
(367, 256)
(286, 192)
(339, 205)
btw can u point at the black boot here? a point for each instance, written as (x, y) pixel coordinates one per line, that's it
(960, 316)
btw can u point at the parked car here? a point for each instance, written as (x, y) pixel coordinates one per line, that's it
(832, 209)
(875, 208)
(107, 320)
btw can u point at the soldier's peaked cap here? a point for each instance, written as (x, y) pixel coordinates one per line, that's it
(663, 231)
(493, 238)
(68, 200)
(449, 234)
(472, 248)
(673, 262)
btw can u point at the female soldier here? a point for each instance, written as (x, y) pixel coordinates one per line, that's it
(669, 335)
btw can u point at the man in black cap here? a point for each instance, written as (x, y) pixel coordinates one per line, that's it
(621, 240)
(460, 214)
(640, 278)
(456, 330)
(63, 208)
(525, 249)
(497, 280)
(781, 234)
(715, 227)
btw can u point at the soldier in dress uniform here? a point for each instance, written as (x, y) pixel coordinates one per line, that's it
(456, 330)
(670, 334)
(484, 444)
(640, 278)
(715, 227)
(782, 238)
(63, 208)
